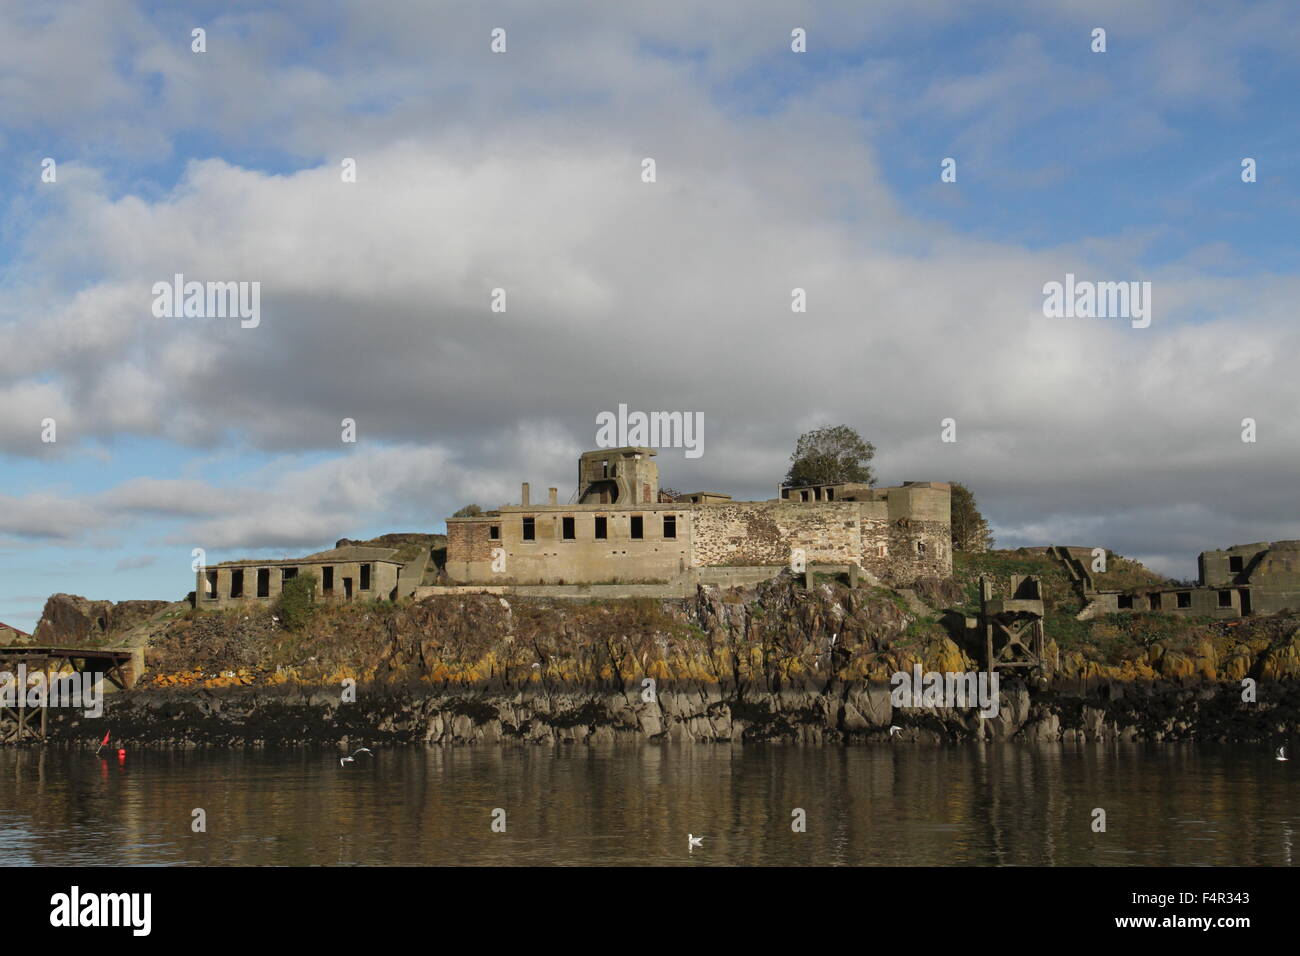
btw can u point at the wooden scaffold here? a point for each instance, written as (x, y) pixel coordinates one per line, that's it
(1013, 627)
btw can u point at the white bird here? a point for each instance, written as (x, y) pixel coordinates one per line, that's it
(693, 841)
(1281, 753)
(352, 757)
(895, 729)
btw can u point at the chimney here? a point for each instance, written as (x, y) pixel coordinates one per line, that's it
(523, 494)
(554, 495)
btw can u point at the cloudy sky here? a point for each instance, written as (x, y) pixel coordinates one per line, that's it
(522, 170)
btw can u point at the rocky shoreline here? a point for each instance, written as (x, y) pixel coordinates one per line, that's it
(784, 661)
(849, 713)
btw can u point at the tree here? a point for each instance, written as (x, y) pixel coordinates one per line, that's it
(830, 455)
(970, 532)
(469, 511)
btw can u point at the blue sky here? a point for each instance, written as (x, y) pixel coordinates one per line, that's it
(521, 170)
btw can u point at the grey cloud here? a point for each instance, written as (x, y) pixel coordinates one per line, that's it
(672, 296)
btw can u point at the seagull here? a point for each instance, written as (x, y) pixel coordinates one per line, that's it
(352, 757)
(895, 729)
(693, 841)
(1281, 753)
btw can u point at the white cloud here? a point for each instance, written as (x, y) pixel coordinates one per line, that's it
(523, 172)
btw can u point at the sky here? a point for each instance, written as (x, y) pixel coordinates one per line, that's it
(522, 170)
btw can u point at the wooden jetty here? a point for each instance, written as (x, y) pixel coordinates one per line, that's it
(63, 661)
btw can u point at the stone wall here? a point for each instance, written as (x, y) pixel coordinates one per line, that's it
(897, 550)
(898, 535)
(765, 532)
(902, 561)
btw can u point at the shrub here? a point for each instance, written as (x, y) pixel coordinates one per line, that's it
(297, 602)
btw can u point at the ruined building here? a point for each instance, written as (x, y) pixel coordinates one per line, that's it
(346, 573)
(618, 528)
(1246, 579)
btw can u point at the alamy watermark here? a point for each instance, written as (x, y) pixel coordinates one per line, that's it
(948, 689)
(52, 689)
(652, 430)
(75, 908)
(1098, 300)
(179, 299)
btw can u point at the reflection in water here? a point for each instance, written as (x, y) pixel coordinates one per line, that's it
(906, 805)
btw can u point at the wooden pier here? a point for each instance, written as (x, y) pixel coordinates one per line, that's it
(62, 661)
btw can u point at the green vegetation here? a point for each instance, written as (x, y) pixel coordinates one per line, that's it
(830, 455)
(1061, 601)
(1112, 638)
(890, 595)
(1124, 574)
(922, 628)
(969, 567)
(297, 602)
(970, 532)
(828, 577)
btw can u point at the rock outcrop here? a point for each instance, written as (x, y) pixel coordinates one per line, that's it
(70, 620)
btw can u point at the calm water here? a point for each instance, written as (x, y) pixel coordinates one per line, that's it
(908, 805)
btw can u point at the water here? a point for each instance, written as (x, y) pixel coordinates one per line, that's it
(635, 804)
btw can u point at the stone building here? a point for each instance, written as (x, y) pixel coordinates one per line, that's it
(618, 529)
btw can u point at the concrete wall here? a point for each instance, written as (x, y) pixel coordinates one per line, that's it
(1271, 600)
(1274, 565)
(681, 586)
(1201, 602)
(411, 575)
(735, 577)
(1216, 566)
(580, 592)
(1270, 570)
(623, 476)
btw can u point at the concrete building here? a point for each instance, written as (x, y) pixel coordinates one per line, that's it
(1265, 576)
(1260, 578)
(342, 574)
(618, 529)
(1185, 601)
